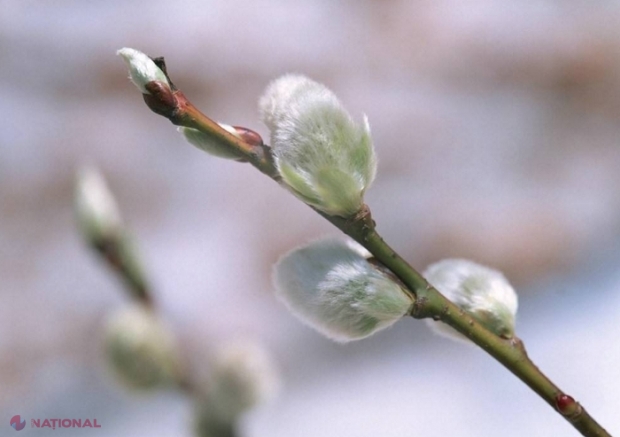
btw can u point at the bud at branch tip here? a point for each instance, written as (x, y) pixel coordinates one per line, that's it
(142, 69)
(96, 210)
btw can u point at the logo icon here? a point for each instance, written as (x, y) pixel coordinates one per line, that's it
(17, 423)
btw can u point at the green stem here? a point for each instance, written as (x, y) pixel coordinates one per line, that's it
(428, 301)
(510, 352)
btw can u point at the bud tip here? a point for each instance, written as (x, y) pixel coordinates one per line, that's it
(142, 69)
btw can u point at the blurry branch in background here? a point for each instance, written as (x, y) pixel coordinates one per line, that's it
(327, 160)
(101, 225)
(143, 352)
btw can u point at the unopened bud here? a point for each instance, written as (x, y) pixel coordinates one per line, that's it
(142, 69)
(331, 287)
(96, 210)
(322, 155)
(210, 143)
(482, 292)
(140, 349)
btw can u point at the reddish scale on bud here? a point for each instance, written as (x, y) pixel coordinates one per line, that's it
(161, 99)
(566, 405)
(249, 136)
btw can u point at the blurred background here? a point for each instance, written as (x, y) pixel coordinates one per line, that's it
(497, 128)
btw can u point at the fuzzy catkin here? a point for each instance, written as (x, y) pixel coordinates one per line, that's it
(481, 291)
(243, 375)
(140, 349)
(323, 156)
(333, 288)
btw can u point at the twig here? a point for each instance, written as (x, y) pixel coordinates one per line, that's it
(429, 303)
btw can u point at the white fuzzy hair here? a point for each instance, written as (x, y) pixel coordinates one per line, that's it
(142, 69)
(481, 291)
(326, 158)
(333, 289)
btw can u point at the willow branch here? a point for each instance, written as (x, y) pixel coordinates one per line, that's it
(429, 303)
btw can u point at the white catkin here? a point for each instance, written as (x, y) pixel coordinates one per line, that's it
(243, 376)
(335, 290)
(481, 291)
(140, 349)
(323, 156)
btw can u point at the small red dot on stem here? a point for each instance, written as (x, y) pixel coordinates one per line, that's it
(564, 403)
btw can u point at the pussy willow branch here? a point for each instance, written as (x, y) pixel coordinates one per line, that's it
(114, 253)
(428, 301)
